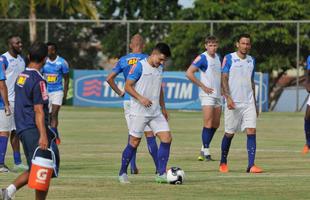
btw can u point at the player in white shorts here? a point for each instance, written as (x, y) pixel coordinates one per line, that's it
(209, 65)
(4, 112)
(307, 113)
(239, 90)
(55, 70)
(123, 66)
(15, 65)
(144, 84)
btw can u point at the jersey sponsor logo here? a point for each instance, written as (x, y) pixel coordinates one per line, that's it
(43, 90)
(51, 78)
(21, 79)
(132, 61)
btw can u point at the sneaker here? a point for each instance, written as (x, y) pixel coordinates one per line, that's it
(201, 156)
(4, 194)
(4, 169)
(123, 178)
(20, 167)
(223, 168)
(254, 169)
(161, 178)
(208, 158)
(134, 171)
(305, 150)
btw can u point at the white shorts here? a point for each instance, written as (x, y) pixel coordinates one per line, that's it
(55, 98)
(138, 124)
(210, 101)
(242, 117)
(308, 102)
(7, 123)
(127, 115)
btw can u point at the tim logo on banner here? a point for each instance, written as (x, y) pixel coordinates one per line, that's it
(90, 89)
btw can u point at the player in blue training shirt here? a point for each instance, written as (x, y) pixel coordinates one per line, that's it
(123, 66)
(144, 84)
(55, 69)
(4, 112)
(307, 114)
(31, 114)
(209, 65)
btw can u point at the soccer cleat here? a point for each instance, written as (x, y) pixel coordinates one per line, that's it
(223, 168)
(20, 168)
(161, 178)
(254, 169)
(58, 141)
(4, 194)
(123, 178)
(208, 158)
(4, 169)
(201, 156)
(134, 171)
(305, 150)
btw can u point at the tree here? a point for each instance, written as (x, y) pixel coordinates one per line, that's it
(84, 7)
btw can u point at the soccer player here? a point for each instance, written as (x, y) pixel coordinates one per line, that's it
(123, 66)
(148, 108)
(4, 112)
(307, 114)
(55, 69)
(209, 65)
(241, 111)
(32, 99)
(15, 65)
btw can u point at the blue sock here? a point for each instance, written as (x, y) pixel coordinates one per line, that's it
(133, 164)
(3, 146)
(17, 158)
(251, 147)
(163, 157)
(126, 157)
(307, 131)
(226, 141)
(153, 149)
(207, 135)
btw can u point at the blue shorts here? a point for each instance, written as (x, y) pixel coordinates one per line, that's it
(30, 141)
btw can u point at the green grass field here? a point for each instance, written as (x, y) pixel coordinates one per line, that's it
(93, 139)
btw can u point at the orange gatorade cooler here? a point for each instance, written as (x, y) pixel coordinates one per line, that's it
(41, 172)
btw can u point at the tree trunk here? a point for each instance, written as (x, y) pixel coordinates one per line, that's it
(32, 22)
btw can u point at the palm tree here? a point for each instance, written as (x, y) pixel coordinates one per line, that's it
(84, 7)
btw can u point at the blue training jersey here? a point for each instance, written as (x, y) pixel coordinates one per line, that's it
(30, 90)
(3, 66)
(53, 72)
(125, 63)
(308, 63)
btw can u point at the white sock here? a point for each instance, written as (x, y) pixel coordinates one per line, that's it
(11, 190)
(202, 148)
(206, 151)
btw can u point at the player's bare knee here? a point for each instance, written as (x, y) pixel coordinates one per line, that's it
(134, 141)
(149, 134)
(4, 134)
(229, 135)
(251, 131)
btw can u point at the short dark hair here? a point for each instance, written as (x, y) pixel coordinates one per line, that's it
(37, 52)
(243, 35)
(52, 44)
(163, 48)
(211, 39)
(10, 37)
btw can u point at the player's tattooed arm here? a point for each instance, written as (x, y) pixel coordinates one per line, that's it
(253, 88)
(308, 80)
(225, 91)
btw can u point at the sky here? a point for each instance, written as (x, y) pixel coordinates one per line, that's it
(186, 3)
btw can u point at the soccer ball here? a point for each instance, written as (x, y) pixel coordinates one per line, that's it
(175, 175)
